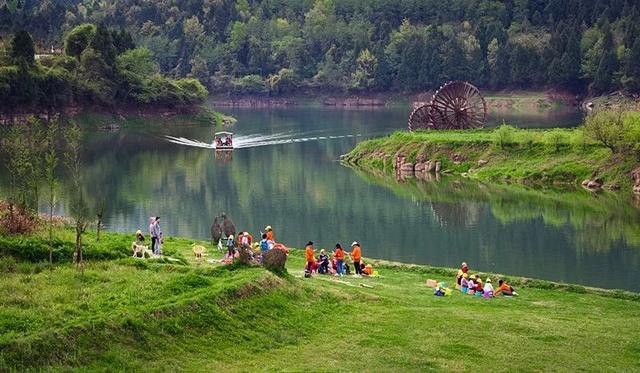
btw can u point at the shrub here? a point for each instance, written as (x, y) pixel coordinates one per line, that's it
(556, 138)
(579, 139)
(504, 135)
(15, 220)
(8, 265)
(616, 129)
(249, 84)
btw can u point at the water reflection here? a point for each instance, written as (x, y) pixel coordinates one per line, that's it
(305, 194)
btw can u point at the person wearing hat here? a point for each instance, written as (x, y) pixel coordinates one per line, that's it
(464, 283)
(139, 237)
(309, 253)
(463, 269)
(339, 255)
(488, 288)
(356, 256)
(269, 233)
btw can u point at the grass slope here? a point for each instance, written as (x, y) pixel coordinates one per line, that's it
(558, 156)
(134, 314)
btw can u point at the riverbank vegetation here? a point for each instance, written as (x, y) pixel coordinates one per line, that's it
(126, 313)
(267, 47)
(100, 67)
(605, 147)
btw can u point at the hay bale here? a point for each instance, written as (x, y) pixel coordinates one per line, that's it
(244, 254)
(274, 260)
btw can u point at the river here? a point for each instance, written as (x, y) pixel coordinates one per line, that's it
(286, 174)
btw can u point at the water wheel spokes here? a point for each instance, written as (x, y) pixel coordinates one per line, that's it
(459, 106)
(420, 118)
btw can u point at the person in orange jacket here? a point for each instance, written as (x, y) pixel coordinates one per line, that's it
(309, 253)
(269, 233)
(339, 255)
(356, 256)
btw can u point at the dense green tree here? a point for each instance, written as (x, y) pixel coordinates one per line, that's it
(631, 77)
(78, 39)
(417, 44)
(603, 80)
(22, 48)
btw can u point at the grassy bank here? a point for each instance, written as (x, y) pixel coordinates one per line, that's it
(134, 314)
(558, 156)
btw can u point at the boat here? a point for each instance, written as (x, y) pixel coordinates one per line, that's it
(223, 141)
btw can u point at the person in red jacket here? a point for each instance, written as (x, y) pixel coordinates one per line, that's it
(309, 253)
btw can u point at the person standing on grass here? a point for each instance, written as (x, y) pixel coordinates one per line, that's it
(152, 222)
(156, 236)
(339, 255)
(309, 253)
(356, 256)
(231, 247)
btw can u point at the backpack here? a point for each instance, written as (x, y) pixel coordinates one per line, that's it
(264, 245)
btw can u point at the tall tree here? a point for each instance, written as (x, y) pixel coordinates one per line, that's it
(22, 48)
(608, 65)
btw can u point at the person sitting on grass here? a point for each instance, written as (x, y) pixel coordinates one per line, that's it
(367, 270)
(463, 270)
(464, 283)
(488, 289)
(139, 237)
(504, 289)
(264, 244)
(323, 262)
(479, 287)
(471, 284)
(309, 253)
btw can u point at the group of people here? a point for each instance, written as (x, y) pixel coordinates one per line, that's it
(155, 232)
(337, 264)
(244, 238)
(472, 284)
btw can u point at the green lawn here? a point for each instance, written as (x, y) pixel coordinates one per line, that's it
(135, 314)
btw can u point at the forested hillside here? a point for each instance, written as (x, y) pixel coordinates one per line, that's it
(279, 46)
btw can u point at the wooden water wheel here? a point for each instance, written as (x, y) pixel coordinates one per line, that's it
(458, 105)
(420, 118)
(455, 105)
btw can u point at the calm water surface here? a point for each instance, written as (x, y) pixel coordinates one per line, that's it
(294, 183)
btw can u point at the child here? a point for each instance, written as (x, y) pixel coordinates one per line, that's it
(471, 285)
(264, 244)
(231, 247)
(464, 283)
(488, 289)
(479, 288)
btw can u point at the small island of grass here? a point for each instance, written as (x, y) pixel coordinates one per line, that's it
(603, 150)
